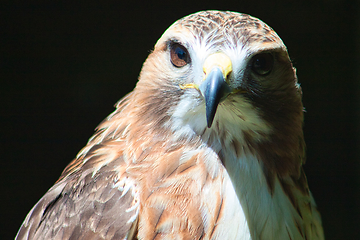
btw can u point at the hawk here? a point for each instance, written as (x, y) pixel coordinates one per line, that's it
(209, 145)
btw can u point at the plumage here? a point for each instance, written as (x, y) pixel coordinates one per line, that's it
(209, 145)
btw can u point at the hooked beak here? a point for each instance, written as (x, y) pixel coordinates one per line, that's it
(214, 88)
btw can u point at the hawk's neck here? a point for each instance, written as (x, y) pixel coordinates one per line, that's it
(272, 194)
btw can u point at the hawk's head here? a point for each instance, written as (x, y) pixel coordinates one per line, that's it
(227, 77)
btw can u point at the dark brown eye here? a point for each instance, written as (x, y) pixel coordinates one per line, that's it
(262, 64)
(179, 55)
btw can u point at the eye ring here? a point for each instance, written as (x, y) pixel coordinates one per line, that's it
(262, 64)
(179, 55)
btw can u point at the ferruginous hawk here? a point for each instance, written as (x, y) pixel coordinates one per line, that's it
(209, 145)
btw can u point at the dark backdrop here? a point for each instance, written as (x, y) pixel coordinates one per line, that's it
(64, 65)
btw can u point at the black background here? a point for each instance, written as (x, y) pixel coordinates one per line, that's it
(64, 65)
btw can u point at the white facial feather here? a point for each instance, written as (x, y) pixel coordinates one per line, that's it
(234, 115)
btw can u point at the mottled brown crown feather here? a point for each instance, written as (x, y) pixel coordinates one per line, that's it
(234, 24)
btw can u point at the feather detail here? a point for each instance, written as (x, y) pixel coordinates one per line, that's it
(154, 170)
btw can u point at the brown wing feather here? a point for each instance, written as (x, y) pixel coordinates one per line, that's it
(83, 206)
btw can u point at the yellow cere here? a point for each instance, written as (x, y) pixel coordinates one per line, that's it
(218, 59)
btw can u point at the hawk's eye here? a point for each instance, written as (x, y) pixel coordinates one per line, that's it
(179, 55)
(262, 64)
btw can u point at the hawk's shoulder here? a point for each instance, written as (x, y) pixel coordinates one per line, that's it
(86, 204)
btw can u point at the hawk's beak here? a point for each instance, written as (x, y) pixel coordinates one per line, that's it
(214, 88)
